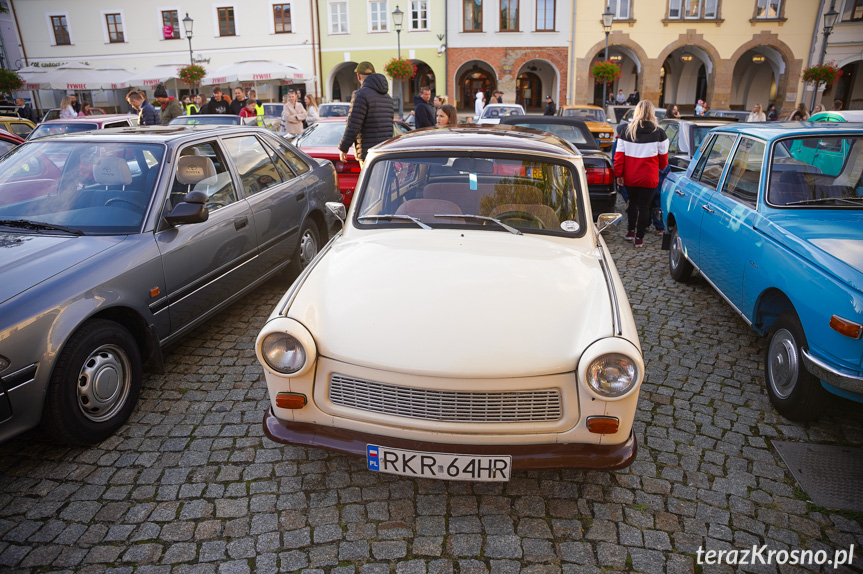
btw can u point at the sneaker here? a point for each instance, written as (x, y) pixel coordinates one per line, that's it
(639, 242)
(629, 236)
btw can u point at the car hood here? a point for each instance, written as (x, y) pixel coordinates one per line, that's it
(28, 260)
(598, 127)
(456, 302)
(830, 239)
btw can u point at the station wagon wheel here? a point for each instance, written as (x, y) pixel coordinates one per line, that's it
(307, 248)
(94, 385)
(679, 266)
(795, 393)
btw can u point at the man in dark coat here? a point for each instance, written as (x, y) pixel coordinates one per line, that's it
(370, 118)
(25, 111)
(550, 108)
(147, 115)
(218, 104)
(239, 101)
(423, 110)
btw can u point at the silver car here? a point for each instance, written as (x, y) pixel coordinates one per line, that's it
(113, 244)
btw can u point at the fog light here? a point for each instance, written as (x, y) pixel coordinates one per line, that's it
(291, 400)
(603, 425)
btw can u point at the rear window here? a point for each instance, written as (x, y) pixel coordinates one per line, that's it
(54, 129)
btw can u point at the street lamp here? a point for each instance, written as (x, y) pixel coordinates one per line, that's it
(829, 21)
(187, 24)
(607, 20)
(398, 18)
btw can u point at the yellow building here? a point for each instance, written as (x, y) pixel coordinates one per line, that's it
(730, 53)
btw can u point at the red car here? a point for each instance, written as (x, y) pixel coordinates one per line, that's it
(321, 140)
(8, 142)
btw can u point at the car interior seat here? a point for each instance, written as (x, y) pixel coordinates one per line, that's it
(426, 209)
(192, 170)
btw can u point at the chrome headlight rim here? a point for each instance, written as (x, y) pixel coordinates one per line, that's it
(284, 329)
(291, 348)
(626, 365)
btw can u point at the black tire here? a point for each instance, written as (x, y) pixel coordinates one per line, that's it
(679, 266)
(95, 384)
(308, 246)
(796, 394)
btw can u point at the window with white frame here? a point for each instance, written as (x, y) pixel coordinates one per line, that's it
(545, 15)
(419, 15)
(768, 8)
(282, 19)
(114, 22)
(227, 24)
(61, 30)
(338, 17)
(171, 18)
(620, 9)
(509, 15)
(378, 16)
(692, 9)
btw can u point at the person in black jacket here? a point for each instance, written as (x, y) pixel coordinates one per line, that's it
(147, 115)
(370, 118)
(550, 108)
(217, 105)
(25, 111)
(423, 110)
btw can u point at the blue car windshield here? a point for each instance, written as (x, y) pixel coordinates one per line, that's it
(817, 171)
(96, 188)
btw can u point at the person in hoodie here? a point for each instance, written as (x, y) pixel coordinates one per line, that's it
(370, 117)
(423, 110)
(641, 152)
(171, 107)
(219, 104)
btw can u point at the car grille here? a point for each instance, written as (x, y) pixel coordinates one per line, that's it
(540, 405)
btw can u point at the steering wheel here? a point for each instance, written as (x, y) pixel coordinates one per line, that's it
(137, 206)
(529, 217)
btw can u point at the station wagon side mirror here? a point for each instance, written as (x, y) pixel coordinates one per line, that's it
(192, 209)
(338, 209)
(606, 220)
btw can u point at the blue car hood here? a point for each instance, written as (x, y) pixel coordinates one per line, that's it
(27, 260)
(832, 240)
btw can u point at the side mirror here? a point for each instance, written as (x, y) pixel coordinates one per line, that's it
(338, 209)
(192, 209)
(196, 197)
(606, 220)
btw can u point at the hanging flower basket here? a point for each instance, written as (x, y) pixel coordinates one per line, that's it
(825, 74)
(400, 69)
(606, 71)
(10, 81)
(192, 74)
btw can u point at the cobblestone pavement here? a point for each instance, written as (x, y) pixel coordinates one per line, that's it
(192, 485)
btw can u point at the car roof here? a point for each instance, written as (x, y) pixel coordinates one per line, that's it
(773, 130)
(523, 121)
(847, 115)
(579, 107)
(103, 118)
(475, 137)
(151, 134)
(701, 120)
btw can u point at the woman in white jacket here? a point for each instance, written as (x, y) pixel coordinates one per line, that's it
(480, 103)
(756, 115)
(66, 109)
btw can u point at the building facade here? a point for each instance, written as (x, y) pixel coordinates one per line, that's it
(354, 31)
(844, 48)
(519, 47)
(730, 53)
(139, 35)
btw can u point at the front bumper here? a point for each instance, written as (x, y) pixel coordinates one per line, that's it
(845, 381)
(524, 456)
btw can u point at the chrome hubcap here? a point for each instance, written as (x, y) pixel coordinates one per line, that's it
(104, 383)
(676, 252)
(308, 248)
(784, 363)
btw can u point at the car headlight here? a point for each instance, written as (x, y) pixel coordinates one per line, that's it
(283, 353)
(3, 363)
(612, 375)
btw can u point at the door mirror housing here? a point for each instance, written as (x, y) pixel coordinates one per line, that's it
(606, 220)
(338, 209)
(194, 211)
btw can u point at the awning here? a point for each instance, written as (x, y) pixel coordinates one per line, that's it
(33, 77)
(160, 74)
(74, 76)
(258, 71)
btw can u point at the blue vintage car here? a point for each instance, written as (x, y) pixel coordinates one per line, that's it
(771, 215)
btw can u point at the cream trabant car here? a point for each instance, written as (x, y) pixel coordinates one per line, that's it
(467, 322)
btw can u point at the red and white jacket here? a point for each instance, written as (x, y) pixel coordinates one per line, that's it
(638, 162)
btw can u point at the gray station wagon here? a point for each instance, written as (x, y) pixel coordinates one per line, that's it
(115, 243)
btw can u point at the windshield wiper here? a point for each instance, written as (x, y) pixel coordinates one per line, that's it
(850, 200)
(484, 218)
(39, 226)
(390, 216)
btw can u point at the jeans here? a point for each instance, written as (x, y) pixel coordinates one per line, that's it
(638, 212)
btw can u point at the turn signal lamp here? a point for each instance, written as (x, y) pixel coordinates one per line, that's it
(846, 327)
(291, 400)
(603, 425)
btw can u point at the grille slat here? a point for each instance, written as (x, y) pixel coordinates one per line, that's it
(542, 405)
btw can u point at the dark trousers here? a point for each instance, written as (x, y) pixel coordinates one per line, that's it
(638, 212)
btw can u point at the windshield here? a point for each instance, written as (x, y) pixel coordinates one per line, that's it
(526, 194)
(54, 129)
(585, 115)
(223, 120)
(817, 171)
(273, 109)
(501, 111)
(96, 188)
(333, 110)
(322, 134)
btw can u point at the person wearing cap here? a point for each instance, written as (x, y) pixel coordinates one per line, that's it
(370, 117)
(550, 108)
(171, 108)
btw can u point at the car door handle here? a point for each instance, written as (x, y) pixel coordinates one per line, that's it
(707, 208)
(680, 193)
(241, 223)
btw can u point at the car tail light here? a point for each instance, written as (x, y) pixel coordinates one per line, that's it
(598, 175)
(347, 166)
(603, 425)
(846, 327)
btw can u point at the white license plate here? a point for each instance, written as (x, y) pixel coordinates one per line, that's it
(495, 468)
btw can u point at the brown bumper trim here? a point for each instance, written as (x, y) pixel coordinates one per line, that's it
(524, 456)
